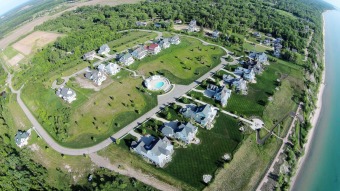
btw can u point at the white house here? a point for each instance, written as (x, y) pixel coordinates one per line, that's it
(66, 94)
(140, 52)
(185, 132)
(219, 94)
(175, 40)
(21, 138)
(89, 55)
(164, 43)
(112, 68)
(126, 59)
(104, 49)
(215, 34)
(247, 74)
(203, 115)
(193, 27)
(96, 76)
(157, 151)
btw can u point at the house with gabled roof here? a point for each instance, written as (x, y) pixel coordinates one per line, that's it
(164, 43)
(21, 138)
(156, 150)
(239, 84)
(141, 24)
(193, 26)
(175, 40)
(104, 49)
(221, 94)
(66, 94)
(154, 48)
(89, 55)
(126, 59)
(140, 52)
(259, 57)
(96, 76)
(112, 68)
(203, 115)
(247, 74)
(185, 132)
(178, 21)
(215, 34)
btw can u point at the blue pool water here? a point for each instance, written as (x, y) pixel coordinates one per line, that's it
(159, 85)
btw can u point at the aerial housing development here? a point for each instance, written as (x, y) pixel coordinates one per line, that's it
(159, 95)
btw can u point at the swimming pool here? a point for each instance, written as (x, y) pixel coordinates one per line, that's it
(159, 85)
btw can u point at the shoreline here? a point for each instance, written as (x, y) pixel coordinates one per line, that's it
(316, 114)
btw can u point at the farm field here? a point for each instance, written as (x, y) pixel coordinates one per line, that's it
(130, 39)
(183, 63)
(94, 116)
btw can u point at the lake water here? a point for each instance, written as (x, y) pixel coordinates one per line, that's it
(321, 170)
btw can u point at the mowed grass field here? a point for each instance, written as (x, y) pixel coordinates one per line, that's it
(94, 116)
(183, 63)
(188, 164)
(131, 39)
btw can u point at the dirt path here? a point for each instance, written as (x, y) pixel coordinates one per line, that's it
(127, 171)
(29, 27)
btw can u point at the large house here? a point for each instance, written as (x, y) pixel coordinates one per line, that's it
(203, 115)
(104, 49)
(66, 94)
(140, 52)
(89, 55)
(259, 57)
(157, 151)
(175, 40)
(22, 137)
(219, 94)
(141, 24)
(247, 74)
(185, 132)
(154, 48)
(126, 59)
(164, 43)
(192, 26)
(97, 76)
(112, 68)
(239, 84)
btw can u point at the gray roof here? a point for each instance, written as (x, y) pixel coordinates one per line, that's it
(151, 144)
(65, 92)
(20, 135)
(125, 57)
(89, 54)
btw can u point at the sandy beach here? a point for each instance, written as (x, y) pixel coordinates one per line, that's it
(315, 116)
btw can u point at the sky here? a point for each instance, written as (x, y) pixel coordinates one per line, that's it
(7, 5)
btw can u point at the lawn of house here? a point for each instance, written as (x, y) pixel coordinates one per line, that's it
(94, 116)
(183, 63)
(130, 39)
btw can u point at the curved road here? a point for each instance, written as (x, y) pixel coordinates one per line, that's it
(162, 101)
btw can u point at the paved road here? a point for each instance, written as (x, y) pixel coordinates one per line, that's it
(163, 100)
(281, 151)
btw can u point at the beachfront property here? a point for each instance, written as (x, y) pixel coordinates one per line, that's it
(154, 48)
(239, 84)
(247, 74)
(215, 34)
(97, 76)
(66, 94)
(203, 115)
(157, 151)
(104, 49)
(112, 69)
(126, 59)
(185, 132)
(175, 40)
(193, 27)
(164, 43)
(259, 57)
(21, 138)
(140, 52)
(89, 55)
(141, 24)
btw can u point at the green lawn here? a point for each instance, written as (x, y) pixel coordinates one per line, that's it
(206, 157)
(94, 116)
(182, 63)
(130, 40)
(10, 52)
